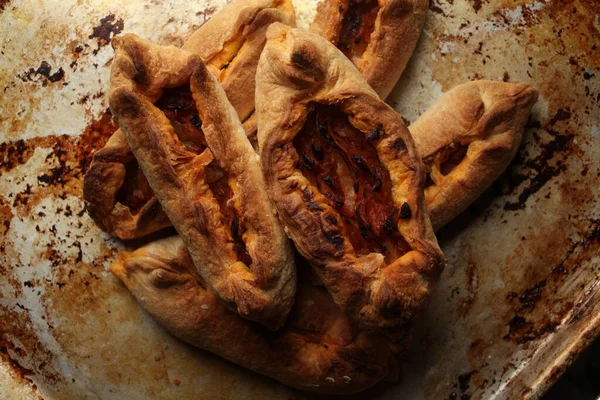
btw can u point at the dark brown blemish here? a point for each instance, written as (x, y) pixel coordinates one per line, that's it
(476, 5)
(108, 28)
(539, 169)
(42, 71)
(206, 13)
(434, 7)
(302, 61)
(310, 202)
(13, 154)
(398, 144)
(196, 123)
(3, 4)
(374, 134)
(333, 236)
(360, 162)
(464, 381)
(405, 211)
(523, 325)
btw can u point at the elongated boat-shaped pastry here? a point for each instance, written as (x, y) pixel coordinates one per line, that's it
(467, 139)
(115, 190)
(190, 145)
(317, 350)
(378, 36)
(342, 169)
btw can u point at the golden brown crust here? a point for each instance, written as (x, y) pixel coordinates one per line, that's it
(236, 34)
(318, 349)
(103, 181)
(230, 44)
(262, 291)
(299, 68)
(394, 37)
(483, 122)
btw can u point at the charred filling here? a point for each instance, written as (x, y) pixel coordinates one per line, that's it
(357, 26)
(446, 160)
(179, 107)
(340, 161)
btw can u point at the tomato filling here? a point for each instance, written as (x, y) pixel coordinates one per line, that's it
(179, 107)
(340, 161)
(357, 26)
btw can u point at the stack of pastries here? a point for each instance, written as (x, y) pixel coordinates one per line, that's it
(305, 208)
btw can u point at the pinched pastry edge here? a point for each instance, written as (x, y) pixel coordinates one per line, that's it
(262, 291)
(297, 68)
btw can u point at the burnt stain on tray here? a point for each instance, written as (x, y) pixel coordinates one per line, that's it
(107, 29)
(73, 155)
(3, 4)
(538, 310)
(538, 171)
(43, 72)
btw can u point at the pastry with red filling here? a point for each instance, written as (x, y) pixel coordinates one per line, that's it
(342, 170)
(378, 36)
(115, 190)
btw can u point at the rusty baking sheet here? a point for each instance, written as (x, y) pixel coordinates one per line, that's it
(518, 302)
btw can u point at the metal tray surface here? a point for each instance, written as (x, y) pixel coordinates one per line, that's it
(517, 303)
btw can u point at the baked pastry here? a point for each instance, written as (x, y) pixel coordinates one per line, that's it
(378, 36)
(190, 144)
(117, 195)
(343, 173)
(467, 139)
(230, 43)
(317, 350)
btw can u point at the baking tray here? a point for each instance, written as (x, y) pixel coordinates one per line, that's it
(517, 303)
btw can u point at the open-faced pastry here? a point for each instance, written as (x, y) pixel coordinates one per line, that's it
(230, 43)
(467, 139)
(343, 172)
(378, 36)
(317, 349)
(117, 195)
(190, 144)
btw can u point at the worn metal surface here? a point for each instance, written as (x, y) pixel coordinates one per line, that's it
(518, 301)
